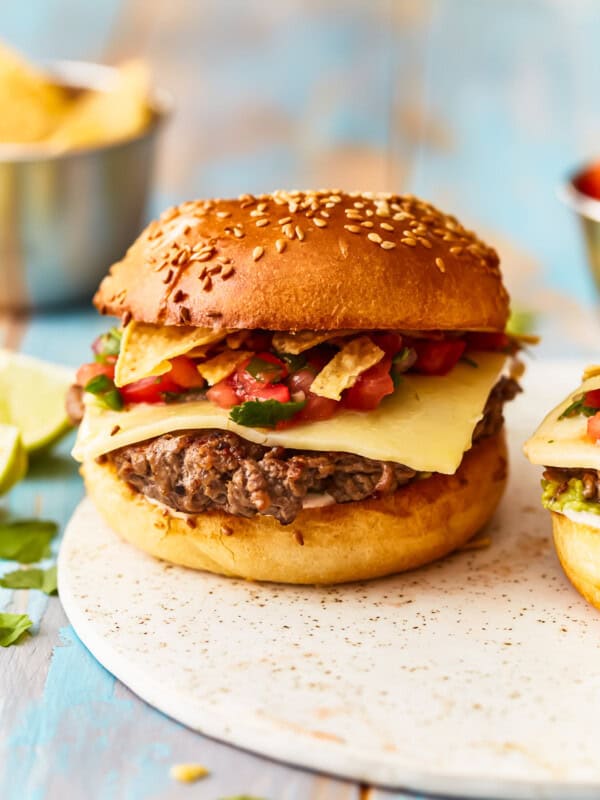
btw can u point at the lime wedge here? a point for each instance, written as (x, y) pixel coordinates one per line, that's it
(13, 457)
(32, 397)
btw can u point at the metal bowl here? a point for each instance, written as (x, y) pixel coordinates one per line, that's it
(588, 210)
(66, 217)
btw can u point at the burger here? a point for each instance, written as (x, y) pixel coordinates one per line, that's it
(567, 445)
(305, 387)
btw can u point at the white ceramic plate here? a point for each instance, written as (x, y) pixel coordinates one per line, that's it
(476, 676)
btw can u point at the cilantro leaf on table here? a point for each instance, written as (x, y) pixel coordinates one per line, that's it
(26, 540)
(12, 627)
(264, 413)
(34, 578)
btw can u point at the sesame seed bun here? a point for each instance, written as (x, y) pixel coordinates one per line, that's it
(419, 523)
(308, 260)
(578, 549)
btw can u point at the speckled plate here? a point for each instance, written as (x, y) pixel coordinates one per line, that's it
(477, 676)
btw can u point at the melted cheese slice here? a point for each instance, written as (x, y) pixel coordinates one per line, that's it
(426, 424)
(564, 442)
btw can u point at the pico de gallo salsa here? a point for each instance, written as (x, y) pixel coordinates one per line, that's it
(273, 389)
(586, 404)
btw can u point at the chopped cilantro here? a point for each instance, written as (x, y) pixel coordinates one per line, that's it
(34, 578)
(578, 407)
(26, 540)
(109, 344)
(12, 627)
(105, 391)
(264, 413)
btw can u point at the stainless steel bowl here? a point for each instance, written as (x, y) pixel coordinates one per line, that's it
(588, 211)
(65, 218)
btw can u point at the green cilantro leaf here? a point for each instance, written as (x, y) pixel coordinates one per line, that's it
(26, 540)
(578, 407)
(34, 578)
(110, 345)
(105, 391)
(264, 413)
(12, 627)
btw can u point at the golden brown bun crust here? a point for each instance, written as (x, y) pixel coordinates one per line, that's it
(419, 523)
(217, 263)
(578, 549)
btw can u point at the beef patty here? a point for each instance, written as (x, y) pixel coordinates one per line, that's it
(195, 471)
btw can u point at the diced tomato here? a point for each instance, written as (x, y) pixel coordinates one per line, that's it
(86, 372)
(390, 343)
(438, 357)
(185, 373)
(592, 398)
(149, 390)
(487, 341)
(593, 427)
(370, 388)
(588, 182)
(223, 394)
(316, 408)
(269, 391)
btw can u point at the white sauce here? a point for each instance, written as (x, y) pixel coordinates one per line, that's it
(583, 518)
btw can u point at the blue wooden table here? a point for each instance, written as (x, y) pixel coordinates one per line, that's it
(481, 107)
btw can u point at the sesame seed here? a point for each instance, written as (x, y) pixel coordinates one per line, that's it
(205, 256)
(456, 251)
(368, 212)
(409, 241)
(358, 205)
(329, 205)
(258, 252)
(386, 226)
(223, 214)
(401, 215)
(374, 237)
(288, 231)
(260, 223)
(262, 207)
(440, 264)
(325, 214)
(215, 269)
(238, 233)
(227, 273)
(206, 283)
(168, 276)
(293, 207)
(280, 245)
(299, 233)
(388, 245)
(284, 220)
(367, 224)
(425, 242)
(352, 228)
(320, 223)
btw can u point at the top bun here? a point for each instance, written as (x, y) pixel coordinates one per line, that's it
(322, 260)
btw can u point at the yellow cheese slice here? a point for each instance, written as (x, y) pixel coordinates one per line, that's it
(146, 349)
(564, 442)
(426, 424)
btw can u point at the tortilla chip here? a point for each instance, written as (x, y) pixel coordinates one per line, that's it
(146, 349)
(120, 112)
(223, 365)
(31, 105)
(300, 341)
(344, 368)
(236, 339)
(591, 371)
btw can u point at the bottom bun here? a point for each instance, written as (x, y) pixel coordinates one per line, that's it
(345, 542)
(578, 549)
